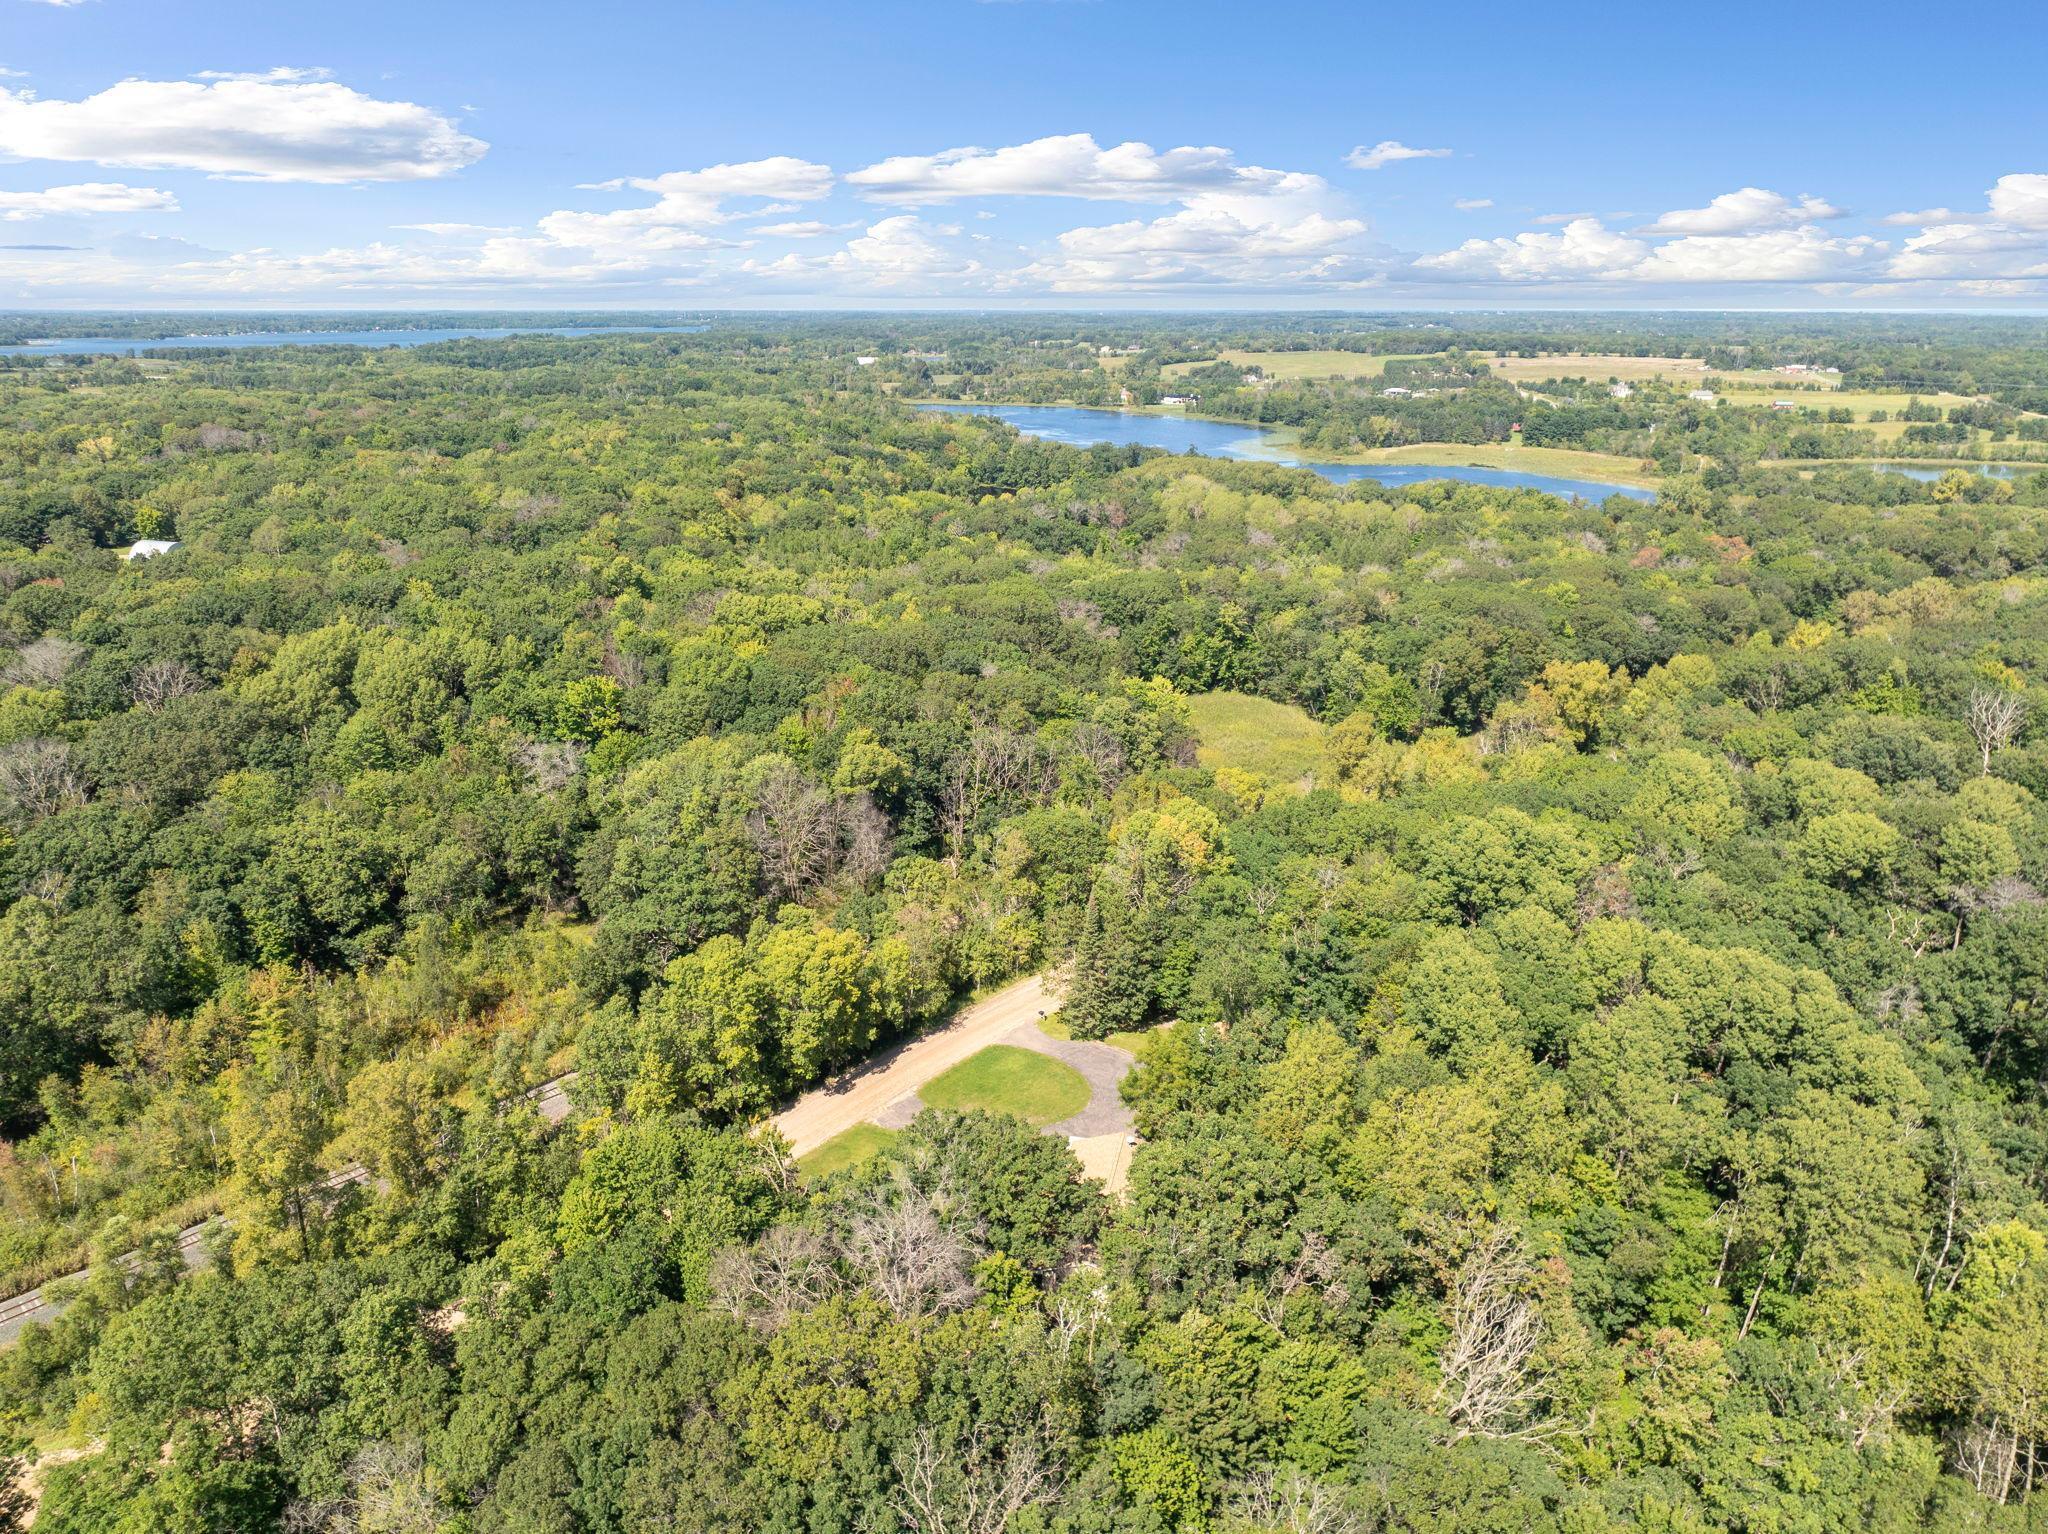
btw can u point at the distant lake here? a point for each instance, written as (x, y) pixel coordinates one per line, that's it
(1229, 439)
(1928, 475)
(85, 346)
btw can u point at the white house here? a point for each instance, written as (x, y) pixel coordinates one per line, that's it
(1704, 396)
(1396, 392)
(865, 362)
(1180, 399)
(1620, 391)
(149, 548)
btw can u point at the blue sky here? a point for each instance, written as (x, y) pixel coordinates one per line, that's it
(1024, 153)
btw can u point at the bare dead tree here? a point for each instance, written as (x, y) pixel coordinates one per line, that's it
(1488, 1388)
(42, 662)
(976, 1483)
(767, 1285)
(795, 829)
(1941, 1254)
(1994, 716)
(995, 767)
(1866, 1407)
(549, 764)
(390, 1491)
(1994, 1458)
(863, 837)
(1765, 690)
(161, 682)
(1078, 1316)
(624, 667)
(915, 1260)
(1295, 1503)
(37, 778)
(1098, 746)
(1316, 1269)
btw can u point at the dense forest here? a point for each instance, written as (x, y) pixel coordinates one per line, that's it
(1602, 1089)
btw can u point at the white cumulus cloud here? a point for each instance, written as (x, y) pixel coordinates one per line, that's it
(1071, 165)
(2008, 241)
(1744, 212)
(690, 202)
(245, 130)
(85, 197)
(453, 229)
(1805, 254)
(1387, 151)
(800, 229)
(1585, 248)
(1972, 250)
(283, 74)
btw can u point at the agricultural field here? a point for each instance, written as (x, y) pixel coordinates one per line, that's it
(1861, 401)
(1685, 372)
(1598, 365)
(1274, 740)
(1305, 364)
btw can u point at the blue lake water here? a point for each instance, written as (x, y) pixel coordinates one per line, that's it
(1229, 439)
(86, 346)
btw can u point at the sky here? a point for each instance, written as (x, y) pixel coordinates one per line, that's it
(1020, 154)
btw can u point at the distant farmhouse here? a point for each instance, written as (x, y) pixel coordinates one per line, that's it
(149, 548)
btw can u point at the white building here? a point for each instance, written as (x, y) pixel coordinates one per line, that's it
(1704, 396)
(1396, 392)
(865, 362)
(149, 548)
(1620, 390)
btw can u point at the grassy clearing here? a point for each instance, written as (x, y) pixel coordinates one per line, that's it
(850, 1147)
(1861, 401)
(1005, 1079)
(1275, 740)
(1126, 1039)
(1596, 365)
(1324, 364)
(1565, 462)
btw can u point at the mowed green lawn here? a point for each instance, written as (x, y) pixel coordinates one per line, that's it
(848, 1148)
(1005, 1079)
(1126, 1039)
(1274, 740)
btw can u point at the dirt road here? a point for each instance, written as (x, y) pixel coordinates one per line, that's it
(866, 1090)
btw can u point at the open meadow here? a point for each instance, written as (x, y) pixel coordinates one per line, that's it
(1289, 365)
(1274, 740)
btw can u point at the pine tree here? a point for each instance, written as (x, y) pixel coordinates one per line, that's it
(1111, 983)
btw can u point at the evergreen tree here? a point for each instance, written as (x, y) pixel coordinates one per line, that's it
(1111, 983)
